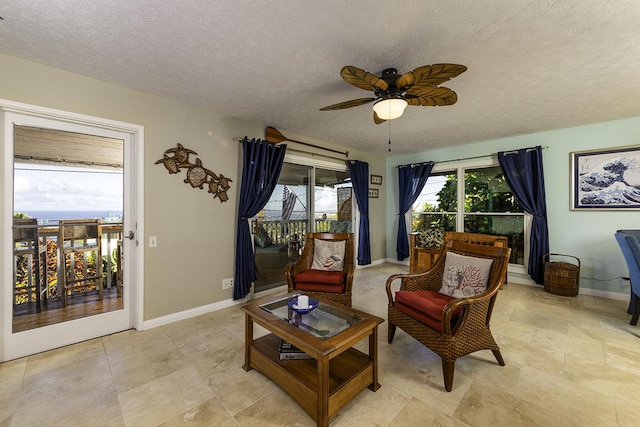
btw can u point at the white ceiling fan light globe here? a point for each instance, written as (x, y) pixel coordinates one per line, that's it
(389, 109)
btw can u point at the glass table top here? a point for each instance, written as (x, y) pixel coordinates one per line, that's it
(323, 322)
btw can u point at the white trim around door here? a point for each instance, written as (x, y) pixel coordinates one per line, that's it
(15, 345)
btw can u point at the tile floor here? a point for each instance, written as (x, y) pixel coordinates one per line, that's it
(569, 362)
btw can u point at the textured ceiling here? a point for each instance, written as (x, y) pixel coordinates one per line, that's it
(532, 65)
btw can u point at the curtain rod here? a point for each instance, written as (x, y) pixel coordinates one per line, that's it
(295, 150)
(476, 157)
(274, 135)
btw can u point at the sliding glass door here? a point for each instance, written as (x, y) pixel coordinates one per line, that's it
(333, 208)
(307, 198)
(280, 227)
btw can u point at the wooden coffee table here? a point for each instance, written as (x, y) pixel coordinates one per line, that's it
(335, 374)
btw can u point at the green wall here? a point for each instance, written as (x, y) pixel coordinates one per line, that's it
(588, 235)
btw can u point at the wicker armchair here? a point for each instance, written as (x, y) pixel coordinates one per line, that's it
(333, 285)
(451, 327)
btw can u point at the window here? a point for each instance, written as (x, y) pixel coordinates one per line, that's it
(436, 207)
(472, 199)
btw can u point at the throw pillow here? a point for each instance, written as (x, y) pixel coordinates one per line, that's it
(262, 238)
(432, 238)
(465, 276)
(328, 255)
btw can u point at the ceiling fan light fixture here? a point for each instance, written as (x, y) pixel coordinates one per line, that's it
(390, 108)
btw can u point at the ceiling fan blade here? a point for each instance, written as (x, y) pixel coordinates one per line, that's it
(433, 97)
(433, 75)
(363, 79)
(376, 119)
(405, 81)
(348, 104)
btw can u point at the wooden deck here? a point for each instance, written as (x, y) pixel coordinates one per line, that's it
(81, 305)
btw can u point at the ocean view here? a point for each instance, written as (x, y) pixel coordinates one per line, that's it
(52, 217)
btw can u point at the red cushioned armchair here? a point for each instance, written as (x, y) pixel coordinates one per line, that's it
(453, 325)
(325, 268)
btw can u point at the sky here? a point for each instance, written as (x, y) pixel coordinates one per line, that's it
(430, 192)
(45, 187)
(325, 202)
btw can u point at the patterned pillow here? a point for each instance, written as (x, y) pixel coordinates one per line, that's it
(465, 276)
(262, 238)
(328, 255)
(340, 227)
(432, 238)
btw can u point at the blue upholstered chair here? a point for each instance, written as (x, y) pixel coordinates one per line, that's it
(629, 241)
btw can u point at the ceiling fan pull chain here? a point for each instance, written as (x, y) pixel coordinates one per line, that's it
(389, 135)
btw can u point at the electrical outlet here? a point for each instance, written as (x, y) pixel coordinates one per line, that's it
(227, 283)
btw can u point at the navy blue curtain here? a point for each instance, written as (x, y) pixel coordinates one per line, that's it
(411, 181)
(523, 172)
(359, 172)
(261, 166)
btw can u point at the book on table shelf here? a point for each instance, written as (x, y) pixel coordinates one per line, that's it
(289, 351)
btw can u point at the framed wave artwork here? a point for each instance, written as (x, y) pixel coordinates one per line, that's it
(606, 179)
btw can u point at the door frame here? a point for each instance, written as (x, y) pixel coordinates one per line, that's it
(11, 112)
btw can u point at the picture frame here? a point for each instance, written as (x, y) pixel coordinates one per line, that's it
(376, 179)
(606, 179)
(373, 193)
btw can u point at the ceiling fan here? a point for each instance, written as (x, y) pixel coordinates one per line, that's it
(393, 92)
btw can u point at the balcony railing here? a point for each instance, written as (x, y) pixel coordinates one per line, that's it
(285, 232)
(291, 233)
(24, 265)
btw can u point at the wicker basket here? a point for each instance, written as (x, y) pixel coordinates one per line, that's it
(561, 278)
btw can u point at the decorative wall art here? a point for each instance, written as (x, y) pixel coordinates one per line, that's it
(376, 179)
(175, 159)
(373, 193)
(606, 179)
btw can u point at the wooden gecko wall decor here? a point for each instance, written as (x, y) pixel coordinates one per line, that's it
(175, 159)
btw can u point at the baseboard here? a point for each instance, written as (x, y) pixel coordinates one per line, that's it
(187, 314)
(209, 308)
(603, 294)
(521, 280)
(395, 261)
(376, 262)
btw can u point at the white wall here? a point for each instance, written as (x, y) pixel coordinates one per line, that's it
(588, 235)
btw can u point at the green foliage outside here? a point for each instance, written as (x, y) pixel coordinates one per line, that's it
(23, 294)
(445, 217)
(486, 191)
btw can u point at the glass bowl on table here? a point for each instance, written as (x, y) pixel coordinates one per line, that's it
(293, 305)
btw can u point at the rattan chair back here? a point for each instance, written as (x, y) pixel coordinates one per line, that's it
(306, 260)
